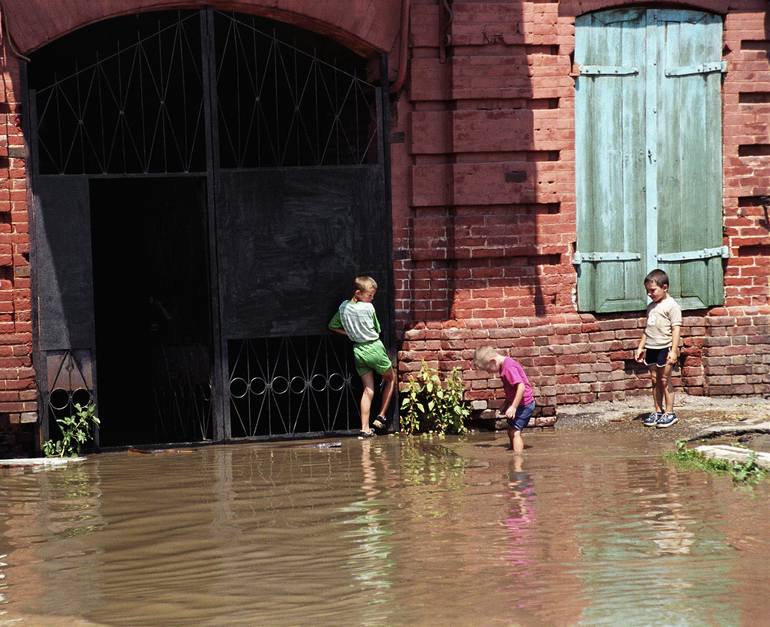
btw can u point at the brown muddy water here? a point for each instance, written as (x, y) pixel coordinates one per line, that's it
(591, 529)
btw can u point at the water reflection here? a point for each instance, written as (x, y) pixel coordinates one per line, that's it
(370, 563)
(384, 531)
(47, 519)
(647, 540)
(521, 520)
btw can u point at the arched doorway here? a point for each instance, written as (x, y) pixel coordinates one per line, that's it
(206, 185)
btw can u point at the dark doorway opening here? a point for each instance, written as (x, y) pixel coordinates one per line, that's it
(152, 305)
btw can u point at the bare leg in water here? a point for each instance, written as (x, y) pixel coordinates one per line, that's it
(389, 384)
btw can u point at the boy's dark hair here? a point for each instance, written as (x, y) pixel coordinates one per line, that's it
(658, 277)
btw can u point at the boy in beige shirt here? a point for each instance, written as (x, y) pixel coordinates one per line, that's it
(659, 347)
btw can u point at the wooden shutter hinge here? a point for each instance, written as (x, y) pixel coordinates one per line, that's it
(704, 253)
(703, 68)
(579, 257)
(607, 70)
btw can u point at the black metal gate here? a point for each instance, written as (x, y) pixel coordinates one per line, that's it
(206, 186)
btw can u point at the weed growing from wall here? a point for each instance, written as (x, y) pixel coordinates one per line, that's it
(431, 405)
(76, 430)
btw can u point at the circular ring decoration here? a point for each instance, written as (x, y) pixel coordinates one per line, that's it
(279, 385)
(59, 399)
(81, 396)
(314, 383)
(258, 386)
(239, 387)
(334, 387)
(297, 385)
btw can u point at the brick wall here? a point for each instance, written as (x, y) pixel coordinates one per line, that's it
(18, 394)
(485, 219)
(484, 211)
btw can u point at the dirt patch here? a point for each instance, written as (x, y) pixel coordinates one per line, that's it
(759, 442)
(694, 413)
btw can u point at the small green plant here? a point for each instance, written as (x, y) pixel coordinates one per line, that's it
(76, 430)
(748, 472)
(432, 405)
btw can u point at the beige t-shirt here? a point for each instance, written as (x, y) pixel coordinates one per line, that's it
(662, 317)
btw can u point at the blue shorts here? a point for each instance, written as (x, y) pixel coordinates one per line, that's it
(522, 416)
(656, 356)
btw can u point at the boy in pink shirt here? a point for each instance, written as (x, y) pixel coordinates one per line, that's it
(519, 399)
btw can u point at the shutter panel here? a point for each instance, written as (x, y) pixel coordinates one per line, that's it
(688, 46)
(610, 154)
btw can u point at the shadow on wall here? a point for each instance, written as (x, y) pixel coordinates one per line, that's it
(490, 136)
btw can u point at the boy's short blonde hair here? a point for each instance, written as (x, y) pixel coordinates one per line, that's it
(483, 356)
(363, 283)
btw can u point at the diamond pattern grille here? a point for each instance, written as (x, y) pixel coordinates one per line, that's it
(138, 109)
(134, 103)
(286, 99)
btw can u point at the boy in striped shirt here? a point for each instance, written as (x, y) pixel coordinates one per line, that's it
(357, 319)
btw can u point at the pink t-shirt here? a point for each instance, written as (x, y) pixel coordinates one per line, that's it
(512, 374)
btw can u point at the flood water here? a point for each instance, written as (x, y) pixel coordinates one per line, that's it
(586, 529)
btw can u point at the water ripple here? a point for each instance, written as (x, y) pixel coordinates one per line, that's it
(581, 530)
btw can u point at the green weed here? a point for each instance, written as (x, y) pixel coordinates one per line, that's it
(747, 472)
(431, 405)
(76, 430)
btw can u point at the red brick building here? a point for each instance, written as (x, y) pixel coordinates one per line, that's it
(477, 153)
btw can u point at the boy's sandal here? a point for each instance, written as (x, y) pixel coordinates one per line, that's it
(380, 422)
(366, 434)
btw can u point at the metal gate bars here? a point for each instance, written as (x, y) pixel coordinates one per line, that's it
(291, 386)
(218, 97)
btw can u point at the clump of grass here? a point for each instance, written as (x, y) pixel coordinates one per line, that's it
(748, 472)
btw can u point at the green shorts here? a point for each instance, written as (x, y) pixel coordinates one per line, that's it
(371, 356)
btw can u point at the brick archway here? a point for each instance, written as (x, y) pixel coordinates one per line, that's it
(230, 140)
(364, 27)
(572, 8)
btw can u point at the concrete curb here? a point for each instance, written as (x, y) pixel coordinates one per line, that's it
(40, 462)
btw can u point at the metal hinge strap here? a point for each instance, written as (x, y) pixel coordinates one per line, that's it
(579, 258)
(703, 68)
(609, 70)
(704, 253)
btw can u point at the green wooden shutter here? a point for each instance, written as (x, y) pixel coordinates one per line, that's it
(687, 46)
(610, 154)
(648, 156)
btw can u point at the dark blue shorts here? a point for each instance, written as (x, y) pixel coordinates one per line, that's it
(656, 356)
(522, 416)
